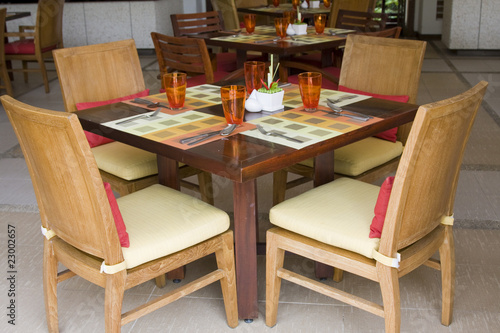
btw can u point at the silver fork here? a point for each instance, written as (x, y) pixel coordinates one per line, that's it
(272, 133)
(142, 116)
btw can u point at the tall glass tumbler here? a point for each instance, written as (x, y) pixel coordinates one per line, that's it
(310, 89)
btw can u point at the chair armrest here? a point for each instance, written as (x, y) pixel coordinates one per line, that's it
(23, 28)
(19, 34)
(285, 64)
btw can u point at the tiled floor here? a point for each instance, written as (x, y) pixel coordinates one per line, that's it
(477, 232)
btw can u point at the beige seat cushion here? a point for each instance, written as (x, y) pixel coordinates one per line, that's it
(364, 155)
(338, 213)
(161, 221)
(125, 161)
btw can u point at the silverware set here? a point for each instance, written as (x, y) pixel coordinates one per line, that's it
(274, 133)
(205, 136)
(142, 116)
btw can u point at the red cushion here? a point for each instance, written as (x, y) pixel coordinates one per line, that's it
(381, 208)
(389, 135)
(26, 46)
(97, 140)
(117, 215)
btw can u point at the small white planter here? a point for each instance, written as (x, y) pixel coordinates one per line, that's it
(300, 29)
(271, 102)
(314, 4)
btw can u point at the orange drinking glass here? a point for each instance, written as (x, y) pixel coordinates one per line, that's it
(326, 3)
(249, 22)
(295, 3)
(175, 86)
(281, 24)
(233, 103)
(276, 3)
(290, 15)
(254, 72)
(319, 23)
(310, 89)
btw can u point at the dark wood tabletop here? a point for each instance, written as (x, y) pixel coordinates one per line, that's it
(16, 15)
(278, 11)
(242, 159)
(265, 40)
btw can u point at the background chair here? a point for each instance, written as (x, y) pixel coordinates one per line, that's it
(3, 67)
(189, 25)
(372, 65)
(77, 220)
(418, 221)
(103, 72)
(355, 5)
(227, 8)
(46, 36)
(189, 55)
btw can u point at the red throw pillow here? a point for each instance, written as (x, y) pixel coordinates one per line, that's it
(381, 208)
(117, 215)
(389, 135)
(95, 139)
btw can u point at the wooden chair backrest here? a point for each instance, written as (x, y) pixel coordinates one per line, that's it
(427, 176)
(384, 66)
(69, 190)
(49, 24)
(182, 54)
(98, 72)
(361, 21)
(227, 8)
(196, 23)
(3, 14)
(357, 5)
(386, 33)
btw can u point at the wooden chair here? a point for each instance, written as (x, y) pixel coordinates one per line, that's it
(106, 71)
(189, 55)
(384, 66)
(46, 36)
(227, 8)
(361, 21)
(355, 5)
(3, 67)
(189, 25)
(80, 233)
(418, 222)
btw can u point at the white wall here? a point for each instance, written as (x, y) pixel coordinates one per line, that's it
(86, 23)
(426, 22)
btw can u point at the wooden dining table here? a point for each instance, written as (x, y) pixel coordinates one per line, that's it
(246, 155)
(272, 11)
(265, 40)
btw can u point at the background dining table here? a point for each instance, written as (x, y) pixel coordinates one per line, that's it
(265, 40)
(242, 158)
(272, 11)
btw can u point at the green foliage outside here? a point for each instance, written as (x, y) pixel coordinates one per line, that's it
(391, 6)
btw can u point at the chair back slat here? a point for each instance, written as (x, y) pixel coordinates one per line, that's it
(98, 72)
(361, 21)
(69, 190)
(427, 176)
(49, 23)
(183, 54)
(356, 5)
(394, 66)
(196, 23)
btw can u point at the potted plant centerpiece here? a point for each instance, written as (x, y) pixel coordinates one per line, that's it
(299, 26)
(270, 96)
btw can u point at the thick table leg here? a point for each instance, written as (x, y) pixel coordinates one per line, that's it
(245, 237)
(168, 176)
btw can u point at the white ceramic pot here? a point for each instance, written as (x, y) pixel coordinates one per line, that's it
(300, 29)
(271, 102)
(314, 4)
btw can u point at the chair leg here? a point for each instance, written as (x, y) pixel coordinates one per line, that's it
(113, 299)
(279, 186)
(389, 284)
(50, 286)
(161, 281)
(447, 257)
(206, 187)
(274, 261)
(25, 73)
(225, 262)
(41, 63)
